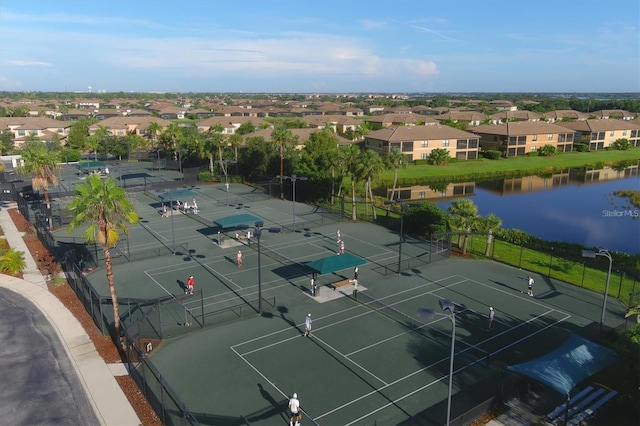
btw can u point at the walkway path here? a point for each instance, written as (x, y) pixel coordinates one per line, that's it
(108, 401)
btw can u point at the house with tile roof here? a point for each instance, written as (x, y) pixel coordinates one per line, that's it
(388, 120)
(600, 134)
(565, 115)
(417, 142)
(41, 127)
(123, 126)
(522, 137)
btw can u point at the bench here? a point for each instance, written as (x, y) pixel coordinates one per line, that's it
(592, 409)
(562, 407)
(340, 284)
(587, 400)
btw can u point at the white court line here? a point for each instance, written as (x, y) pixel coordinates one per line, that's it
(323, 317)
(429, 384)
(159, 285)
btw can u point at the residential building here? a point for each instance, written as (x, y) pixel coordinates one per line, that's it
(521, 137)
(388, 120)
(42, 128)
(600, 134)
(417, 142)
(123, 126)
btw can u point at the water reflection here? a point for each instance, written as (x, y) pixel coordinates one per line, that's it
(574, 205)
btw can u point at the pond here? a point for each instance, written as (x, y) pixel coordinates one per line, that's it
(577, 206)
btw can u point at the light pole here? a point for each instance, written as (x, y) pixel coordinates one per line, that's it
(403, 207)
(446, 305)
(592, 255)
(257, 232)
(294, 178)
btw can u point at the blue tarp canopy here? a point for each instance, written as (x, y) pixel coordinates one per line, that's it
(334, 263)
(177, 194)
(566, 366)
(236, 220)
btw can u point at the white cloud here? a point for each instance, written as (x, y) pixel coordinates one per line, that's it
(23, 63)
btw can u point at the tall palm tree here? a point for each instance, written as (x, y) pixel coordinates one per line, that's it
(371, 165)
(235, 141)
(97, 139)
(488, 225)
(353, 165)
(154, 129)
(42, 165)
(282, 138)
(172, 133)
(395, 159)
(106, 209)
(464, 215)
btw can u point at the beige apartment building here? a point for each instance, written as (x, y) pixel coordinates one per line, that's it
(600, 133)
(417, 142)
(521, 137)
(40, 127)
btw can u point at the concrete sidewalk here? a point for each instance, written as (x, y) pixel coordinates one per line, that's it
(109, 402)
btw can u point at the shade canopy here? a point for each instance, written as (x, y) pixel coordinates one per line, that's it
(568, 365)
(236, 220)
(335, 263)
(176, 194)
(90, 165)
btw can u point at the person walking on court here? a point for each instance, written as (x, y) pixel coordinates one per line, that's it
(341, 249)
(307, 326)
(164, 210)
(190, 283)
(338, 236)
(294, 409)
(492, 314)
(356, 272)
(239, 257)
(530, 286)
(355, 287)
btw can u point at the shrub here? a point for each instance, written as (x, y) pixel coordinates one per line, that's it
(491, 154)
(12, 262)
(580, 147)
(70, 155)
(205, 176)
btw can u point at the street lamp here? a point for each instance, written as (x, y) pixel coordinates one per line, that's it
(592, 255)
(446, 305)
(403, 207)
(294, 178)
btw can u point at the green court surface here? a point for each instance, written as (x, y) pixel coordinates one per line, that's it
(363, 365)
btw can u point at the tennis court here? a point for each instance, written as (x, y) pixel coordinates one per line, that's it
(370, 361)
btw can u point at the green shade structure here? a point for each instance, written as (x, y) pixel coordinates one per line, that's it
(334, 263)
(235, 221)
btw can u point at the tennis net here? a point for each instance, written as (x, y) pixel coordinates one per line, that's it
(413, 324)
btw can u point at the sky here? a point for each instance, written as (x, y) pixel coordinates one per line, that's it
(327, 46)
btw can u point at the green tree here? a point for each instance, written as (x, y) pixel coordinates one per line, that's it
(154, 129)
(77, 137)
(463, 215)
(438, 157)
(246, 128)
(634, 334)
(354, 167)
(98, 139)
(42, 165)
(106, 210)
(254, 160)
(395, 159)
(7, 145)
(427, 220)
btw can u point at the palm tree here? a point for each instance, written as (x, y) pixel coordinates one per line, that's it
(106, 209)
(395, 159)
(154, 129)
(173, 133)
(42, 164)
(371, 165)
(463, 214)
(282, 138)
(353, 166)
(97, 139)
(235, 141)
(488, 225)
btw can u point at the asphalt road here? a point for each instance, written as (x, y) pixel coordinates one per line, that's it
(39, 384)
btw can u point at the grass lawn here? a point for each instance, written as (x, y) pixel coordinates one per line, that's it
(521, 165)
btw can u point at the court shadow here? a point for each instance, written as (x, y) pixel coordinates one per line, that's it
(278, 406)
(283, 310)
(182, 285)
